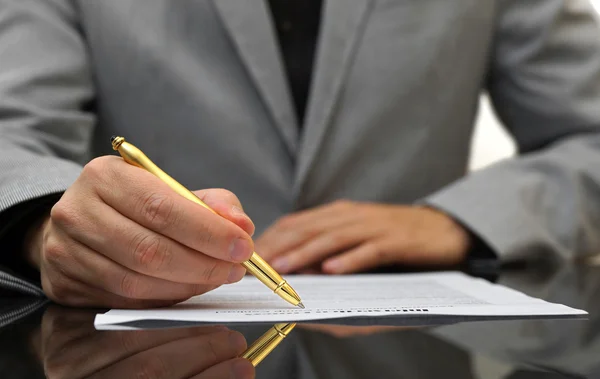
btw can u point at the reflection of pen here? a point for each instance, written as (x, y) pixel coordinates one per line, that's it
(267, 342)
(256, 265)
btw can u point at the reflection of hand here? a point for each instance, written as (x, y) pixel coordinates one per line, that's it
(346, 237)
(342, 331)
(121, 238)
(72, 348)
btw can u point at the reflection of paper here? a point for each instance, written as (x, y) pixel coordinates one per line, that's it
(328, 297)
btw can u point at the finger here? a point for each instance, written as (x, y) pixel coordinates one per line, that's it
(238, 368)
(293, 230)
(326, 213)
(59, 321)
(63, 325)
(73, 345)
(269, 246)
(322, 246)
(362, 258)
(312, 270)
(145, 199)
(81, 357)
(178, 359)
(142, 250)
(67, 290)
(82, 263)
(227, 204)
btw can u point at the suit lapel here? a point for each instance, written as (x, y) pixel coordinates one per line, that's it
(342, 24)
(249, 24)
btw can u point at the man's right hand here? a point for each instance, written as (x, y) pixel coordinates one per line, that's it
(119, 237)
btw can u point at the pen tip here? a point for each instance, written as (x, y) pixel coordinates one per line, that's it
(113, 138)
(301, 305)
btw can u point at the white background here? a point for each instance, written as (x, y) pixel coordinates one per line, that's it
(490, 142)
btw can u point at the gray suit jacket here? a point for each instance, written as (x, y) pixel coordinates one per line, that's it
(199, 86)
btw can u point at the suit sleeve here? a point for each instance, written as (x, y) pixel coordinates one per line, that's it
(544, 82)
(45, 87)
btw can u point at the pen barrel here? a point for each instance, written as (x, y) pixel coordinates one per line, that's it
(266, 343)
(136, 157)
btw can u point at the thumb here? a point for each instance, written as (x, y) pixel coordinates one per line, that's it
(226, 204)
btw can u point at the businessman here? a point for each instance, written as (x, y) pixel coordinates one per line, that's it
(340, 130)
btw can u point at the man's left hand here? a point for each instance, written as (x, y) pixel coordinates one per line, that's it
(346, 236)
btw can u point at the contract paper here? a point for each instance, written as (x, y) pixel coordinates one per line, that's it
(352, 296)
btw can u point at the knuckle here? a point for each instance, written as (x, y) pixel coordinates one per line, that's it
(209, 272)
(63, 214)
(53, 250)
(131, 286)
(380, 254)
(220, 273)
(216, 236)
(338, 239)
(342, 203)
(59, 290)
(310, 231)
(286, 221)
(212, 349)
(57, 264)
(208, 236)
(158, 210)
(96, 168)
(228, 196)
(151, 252)
(200, 289)
(129, 341)
(156, 368)
(54, 370)
(56, 367)
(191, 291)
(56, 253)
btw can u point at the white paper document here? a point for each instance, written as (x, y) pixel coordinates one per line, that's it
(330, 297)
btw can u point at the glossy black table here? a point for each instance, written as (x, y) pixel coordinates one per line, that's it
(42, 340)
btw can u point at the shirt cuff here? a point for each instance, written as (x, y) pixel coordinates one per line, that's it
(14, 224)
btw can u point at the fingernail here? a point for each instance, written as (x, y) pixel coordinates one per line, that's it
(240, 250)
(332, 265)
(236, 274)
(237, 342)
(241, 369)
(280, 264)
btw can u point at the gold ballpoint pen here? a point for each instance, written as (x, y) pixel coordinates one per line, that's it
(266, 343)
(256, 265)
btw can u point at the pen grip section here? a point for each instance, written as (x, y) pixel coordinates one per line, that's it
(263, 272)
